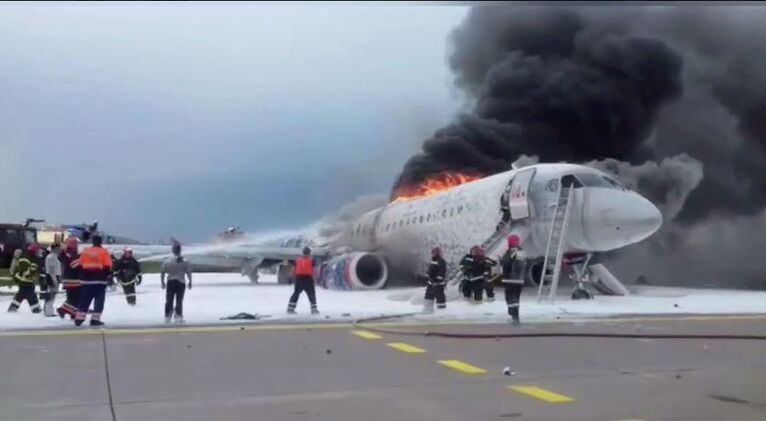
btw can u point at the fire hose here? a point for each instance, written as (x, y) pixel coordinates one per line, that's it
(364, 324)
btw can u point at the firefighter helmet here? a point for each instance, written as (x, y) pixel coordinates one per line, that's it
(33, 249)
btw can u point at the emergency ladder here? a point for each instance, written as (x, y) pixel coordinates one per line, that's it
(549, 279)
(489, 245)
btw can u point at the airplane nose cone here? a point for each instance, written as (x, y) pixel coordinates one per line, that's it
(615, 219)
(640, 218)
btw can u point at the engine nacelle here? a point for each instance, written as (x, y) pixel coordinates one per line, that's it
(354, 271)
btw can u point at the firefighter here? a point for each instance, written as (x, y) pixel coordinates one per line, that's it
(70, 262)
(303, 272)
(127, 270)
(95, 274)
(15, 260)
(42, 276)
(52, 279)
(25, 275)
(487, 282)
(111, 285)
(177, 270)
(437, 270)
(513, 263)
(505, 208)
(473, 268)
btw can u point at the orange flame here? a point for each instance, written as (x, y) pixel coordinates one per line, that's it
(434, 185)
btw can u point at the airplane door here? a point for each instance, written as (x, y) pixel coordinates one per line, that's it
(518, 201)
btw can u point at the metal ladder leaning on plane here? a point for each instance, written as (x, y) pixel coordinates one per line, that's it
(549, 278)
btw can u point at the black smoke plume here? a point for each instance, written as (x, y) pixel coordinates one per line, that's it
(542, 88)
(670, 99)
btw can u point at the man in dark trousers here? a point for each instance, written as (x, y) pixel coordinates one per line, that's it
(70, 268)
(514, 266)
(177, 270)
(303, 271)
(505, 207)
(437, 270)
(127, 270)
(487, 285)
(95, 273)
(473, 267)
(25, 275)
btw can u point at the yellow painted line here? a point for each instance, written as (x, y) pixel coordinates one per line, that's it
(542, 394)
(462, 367)
(632, 419)
(365, 335)
(406, 348)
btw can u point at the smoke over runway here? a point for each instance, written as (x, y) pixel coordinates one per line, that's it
(672, 100)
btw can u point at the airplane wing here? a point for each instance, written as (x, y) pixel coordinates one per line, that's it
(139, 251)
(243, 257)
(240, 252)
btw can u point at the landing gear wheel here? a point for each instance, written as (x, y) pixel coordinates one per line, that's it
(253, 277)
(581, 294)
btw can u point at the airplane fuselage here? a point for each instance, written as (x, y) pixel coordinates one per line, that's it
(604, 215)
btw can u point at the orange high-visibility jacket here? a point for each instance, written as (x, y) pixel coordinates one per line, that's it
(304, 266)
(95, 265)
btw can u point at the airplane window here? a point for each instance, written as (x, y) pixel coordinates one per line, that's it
(570, 181)
(421, 219)
(460, 209)
(428, 217)
(551, 185)
(593, 180)
(444, 213)
(451, 211)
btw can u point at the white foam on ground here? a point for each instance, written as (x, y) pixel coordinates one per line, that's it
(219, 295)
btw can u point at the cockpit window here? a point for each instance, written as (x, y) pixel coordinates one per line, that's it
(593, 180)
(614, 182)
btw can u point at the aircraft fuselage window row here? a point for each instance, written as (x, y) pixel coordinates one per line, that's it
(411, 220)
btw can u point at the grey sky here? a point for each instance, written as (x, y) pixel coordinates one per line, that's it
(186, 118)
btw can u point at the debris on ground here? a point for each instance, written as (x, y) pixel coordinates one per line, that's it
(242, 316)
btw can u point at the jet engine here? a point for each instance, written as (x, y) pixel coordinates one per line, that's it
(354, 271)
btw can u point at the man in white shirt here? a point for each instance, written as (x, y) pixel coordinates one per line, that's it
(52, 279)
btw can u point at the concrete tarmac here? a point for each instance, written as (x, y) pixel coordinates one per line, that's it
(345, 373)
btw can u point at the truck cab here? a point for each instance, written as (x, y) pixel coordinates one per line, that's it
(12, 237)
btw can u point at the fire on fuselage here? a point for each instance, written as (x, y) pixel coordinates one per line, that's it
(433, 185)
